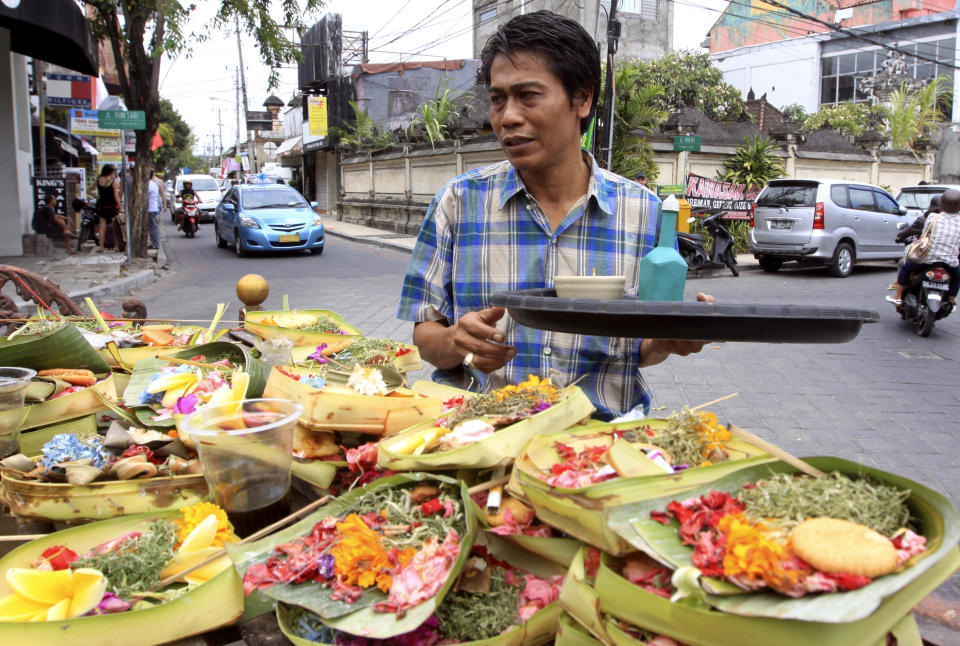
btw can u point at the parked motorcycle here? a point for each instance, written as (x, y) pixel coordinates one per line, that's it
(191, 217)
(88, 221)
(720, 255)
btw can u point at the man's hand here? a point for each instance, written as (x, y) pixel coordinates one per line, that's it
(476, 333)
(654, 351)
(448, 346)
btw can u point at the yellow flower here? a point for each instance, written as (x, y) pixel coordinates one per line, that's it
(196, 514)
(752, 553)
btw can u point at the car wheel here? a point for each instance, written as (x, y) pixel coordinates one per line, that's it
(770, 263)
(238, 245)
(842, 264)
(221, 243)
(316, 251)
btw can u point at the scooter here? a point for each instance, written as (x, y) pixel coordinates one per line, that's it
(191, 217)
(924, 300)
(721, 254)
(88, 221)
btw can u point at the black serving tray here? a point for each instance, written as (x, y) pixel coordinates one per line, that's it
(544, 310)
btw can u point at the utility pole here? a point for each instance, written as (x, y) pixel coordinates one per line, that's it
(38, 69)
(220, 132)
(251, 143)
(609, 94)
(236, 150)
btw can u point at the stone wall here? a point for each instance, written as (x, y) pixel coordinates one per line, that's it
(391, 190)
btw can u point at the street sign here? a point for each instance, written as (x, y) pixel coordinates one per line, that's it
(122, 119)
(686, 142)
(670, 189)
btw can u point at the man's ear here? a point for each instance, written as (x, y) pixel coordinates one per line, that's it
(582, 100)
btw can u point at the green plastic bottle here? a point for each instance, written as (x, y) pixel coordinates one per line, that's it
(663, 273)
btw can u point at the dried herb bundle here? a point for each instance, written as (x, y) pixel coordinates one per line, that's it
(689, 438)
(467, 616)
(395, 503)
(134, 564)
(324, 324)
(367, 351)
(792, 499)
(511, 402)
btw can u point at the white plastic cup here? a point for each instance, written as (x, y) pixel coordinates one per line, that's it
(13, 390)
(247, 469)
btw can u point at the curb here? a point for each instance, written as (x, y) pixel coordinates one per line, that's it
(374, 241)
(119, 287)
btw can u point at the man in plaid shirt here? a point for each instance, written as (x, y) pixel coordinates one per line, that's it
(548, 210)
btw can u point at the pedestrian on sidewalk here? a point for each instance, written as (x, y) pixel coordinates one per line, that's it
(108, 200)
(48, 222)
(548, 209)
(156, 203)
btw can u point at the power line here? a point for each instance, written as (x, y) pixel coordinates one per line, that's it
(853, 34)
(391, 19)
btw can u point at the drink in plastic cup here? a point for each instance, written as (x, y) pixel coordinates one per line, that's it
(245, 451)
(13, 389)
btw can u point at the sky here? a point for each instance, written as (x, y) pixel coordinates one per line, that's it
(201, 82)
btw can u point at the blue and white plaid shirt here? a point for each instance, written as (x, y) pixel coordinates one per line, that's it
(484, 233)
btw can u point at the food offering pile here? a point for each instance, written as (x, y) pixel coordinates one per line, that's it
(507, 517)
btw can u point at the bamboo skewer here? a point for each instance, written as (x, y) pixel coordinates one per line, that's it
(188, 362)
(775, 451)
(715, 401)
(252, 537)
(489, 484)
(21, 538)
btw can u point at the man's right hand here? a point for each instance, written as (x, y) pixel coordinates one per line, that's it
(448, 346)
(476, 332)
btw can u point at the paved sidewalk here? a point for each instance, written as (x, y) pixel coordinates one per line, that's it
(404, 242)
(84, 274)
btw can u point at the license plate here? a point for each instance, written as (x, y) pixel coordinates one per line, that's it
(934, 285)
(293, 238)
(781, 224)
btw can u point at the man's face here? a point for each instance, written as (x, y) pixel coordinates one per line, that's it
(536, 122)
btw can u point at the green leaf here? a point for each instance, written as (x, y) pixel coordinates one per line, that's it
(61, 346)
(935, 516)
(315, 596)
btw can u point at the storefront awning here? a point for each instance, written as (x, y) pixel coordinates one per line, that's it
(289, 147)
(54, 31)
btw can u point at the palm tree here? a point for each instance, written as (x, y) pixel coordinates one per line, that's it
(755, 162)
(636, 114)
(913, 114)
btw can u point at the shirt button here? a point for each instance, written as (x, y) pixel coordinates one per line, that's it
(547, 351)
(554, 241)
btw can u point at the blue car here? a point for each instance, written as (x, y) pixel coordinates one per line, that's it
(267, 217)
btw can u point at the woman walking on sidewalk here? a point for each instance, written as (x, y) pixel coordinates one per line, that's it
(108, 200)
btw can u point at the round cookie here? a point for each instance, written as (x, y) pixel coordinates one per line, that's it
(834, 545)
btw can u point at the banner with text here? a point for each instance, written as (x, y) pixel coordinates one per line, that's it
(317, 115)
(712, 194)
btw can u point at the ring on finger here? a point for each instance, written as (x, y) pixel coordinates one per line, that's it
(468, 360)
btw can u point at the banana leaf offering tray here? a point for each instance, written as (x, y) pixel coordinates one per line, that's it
(98, 584)
(70, 473)
(760, 323)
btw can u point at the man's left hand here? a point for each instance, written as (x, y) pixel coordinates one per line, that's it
(654, 351)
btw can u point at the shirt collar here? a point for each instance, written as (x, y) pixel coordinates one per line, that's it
(603, 192)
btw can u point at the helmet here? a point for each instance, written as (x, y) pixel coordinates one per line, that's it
(934, 204)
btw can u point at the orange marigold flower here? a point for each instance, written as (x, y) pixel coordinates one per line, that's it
(193, 515)
(752, 554)
(359, 555)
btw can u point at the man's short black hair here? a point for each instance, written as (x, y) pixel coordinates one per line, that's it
(569, 50)
(641, 174)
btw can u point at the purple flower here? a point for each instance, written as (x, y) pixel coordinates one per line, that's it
(318, 355)
(325, 566)
(109, 604)
(186, 404)
(541, 405)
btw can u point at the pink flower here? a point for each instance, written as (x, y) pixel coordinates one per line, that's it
(186, 404)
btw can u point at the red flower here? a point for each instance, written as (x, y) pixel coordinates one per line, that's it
(431, 507)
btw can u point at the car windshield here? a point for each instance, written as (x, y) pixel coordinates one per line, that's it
(272, 198)
(205, 185)
(917, 199)
(788, 195)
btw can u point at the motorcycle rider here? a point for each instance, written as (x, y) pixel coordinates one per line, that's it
(186, 193)
(944, 248)
(916, 228)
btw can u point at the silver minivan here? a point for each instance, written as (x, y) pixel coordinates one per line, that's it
(828, 222)
(916, 199)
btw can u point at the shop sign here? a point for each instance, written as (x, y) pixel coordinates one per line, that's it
(712, 194)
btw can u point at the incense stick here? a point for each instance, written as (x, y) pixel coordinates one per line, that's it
(775, 451)
(188, 362)
(489, 484)
(249, 539)
(21, 538)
